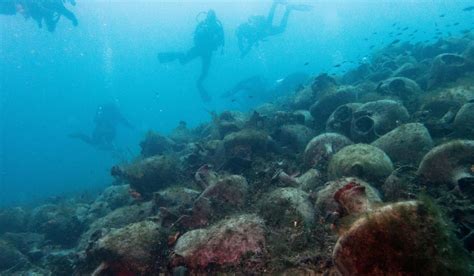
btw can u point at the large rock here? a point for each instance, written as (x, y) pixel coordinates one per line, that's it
(13, 220)
(464, 122)
(361, 160)
(223, 244)
(328, 203)
(407, 144)
(148, 175)
(450, 163)
(131, 249)
(321, 148)
(286, 206)
(406, 238)
(373, 119)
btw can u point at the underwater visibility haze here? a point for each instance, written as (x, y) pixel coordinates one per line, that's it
(251, 137)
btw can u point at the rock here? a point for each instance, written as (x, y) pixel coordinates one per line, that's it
(243, 146)
(438, 116)
(229, 190)
(403, 89)
(28, 243)
(327, 202)
(10, 257)
(310, 181)
(181, 134)
(225, 243)
(131, 249)
(59, 224)
(293, 136)
(110, 199)
(373, 119)
(321, 148)
(326, 104)
(400, 238)
(341, 119)
(450, 163)
(156, 144)
(148, 175)
(360, 160)
(448, 67)
(406, 144)
(285, 207)
(464, 122)
(118, 218)
(60, 262)
(400, 185)
(303, 98)
(13, 220)
(177, 196)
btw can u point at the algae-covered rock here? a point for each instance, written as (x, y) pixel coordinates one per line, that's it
(286, 206)
(59, 223)
(450, 163)
(10, 257)
(341, 119)
(225, 243)
(156, 144)
(321, 148)
(328, 203)
(13, 219)
(148, 175)
(407, 144)
(405, 238)
(464, 122)
(373, 119)
(131, 249)
(294, 136)
(360, 160)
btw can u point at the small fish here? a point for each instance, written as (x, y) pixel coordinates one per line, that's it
(372, 47)
(306, 63)
(233, 100)
(250, 97)
(374, 33)
(442, 15)
(465, 31)
(404, 29)
(395, 42)
(469, 8)
(394, 24)
(399, 34)
(337, 65)
(456, 23)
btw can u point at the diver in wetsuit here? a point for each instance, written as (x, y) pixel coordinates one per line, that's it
(107, 118)
(48, 11)
(208, 37)
(257, 28)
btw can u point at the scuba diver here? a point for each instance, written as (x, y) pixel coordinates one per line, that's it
(257, 27)
(48, 11)
(208, 37)
(107, 118)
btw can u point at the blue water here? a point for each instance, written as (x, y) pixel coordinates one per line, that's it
(52, 83)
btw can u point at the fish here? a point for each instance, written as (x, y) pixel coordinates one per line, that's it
(395, 42)
(456, 23)
(469, 8)
(337, 65)
(306, 63)
(442, 15)
(404, 29)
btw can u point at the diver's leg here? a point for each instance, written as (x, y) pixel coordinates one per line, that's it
(271, 13)
(206, 63)
(284, 22)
